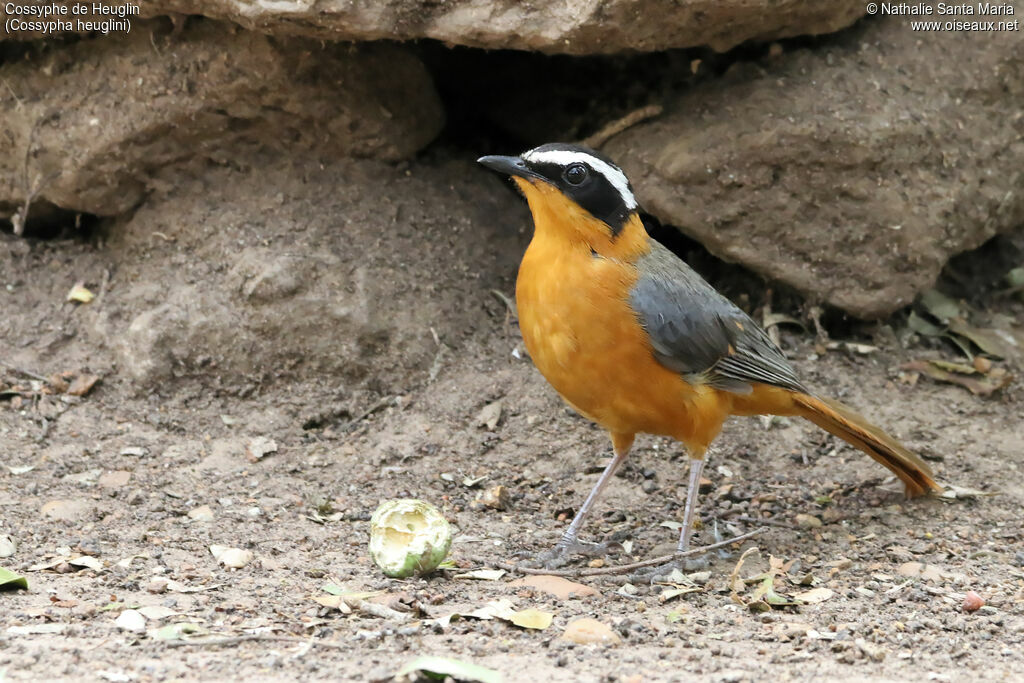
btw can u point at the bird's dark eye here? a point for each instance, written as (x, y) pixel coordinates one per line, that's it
(575, 174)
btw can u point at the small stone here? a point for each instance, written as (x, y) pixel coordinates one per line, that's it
(588, 631)
(490, 416)
(158, 584)
(131, 620)
(806, 521)
(115, 479)
(232, 558)
(870, 650)
(496, 497)
(973, 602)
(67, 510)
(259, 447)
(203, 513)
(596, 563)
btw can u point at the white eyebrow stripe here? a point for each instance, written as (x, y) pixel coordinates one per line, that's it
(564, 157)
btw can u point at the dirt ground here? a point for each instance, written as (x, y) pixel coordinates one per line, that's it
(146, 477)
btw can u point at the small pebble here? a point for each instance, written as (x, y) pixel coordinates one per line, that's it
(806, 521)
(973, 602)
(203, 513)
(157, 585)
(588, 631)
(131, 620)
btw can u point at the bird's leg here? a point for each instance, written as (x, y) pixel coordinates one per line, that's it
(570, 543)
(683, 564)
(696, 467)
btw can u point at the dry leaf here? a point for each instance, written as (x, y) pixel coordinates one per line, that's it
(978, 386)
(482, 574)
(563, 589)
(532, 618)
(814, 596)
(80, 294)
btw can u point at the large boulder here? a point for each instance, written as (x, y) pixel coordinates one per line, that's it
(851, 172)
(99, 117)
(567, 26)
(353, 272)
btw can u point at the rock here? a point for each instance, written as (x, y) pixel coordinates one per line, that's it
(131, 620)
(973, 602)
(871, 651)
(563, 589)
(496, 498)
(371, 271)
(856, 194)
(158, 584)
(103, 115)
(588, 631)
(203, 513)
(232, 558)
(259, 447)
(115, 479)
(927, 572)
(67, 510)
(490, 416)
(573, 26)
(806, 521)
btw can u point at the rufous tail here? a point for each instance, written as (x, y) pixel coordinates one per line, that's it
(837, 419)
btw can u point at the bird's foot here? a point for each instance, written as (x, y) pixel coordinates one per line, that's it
(673, 571)
(564, 550)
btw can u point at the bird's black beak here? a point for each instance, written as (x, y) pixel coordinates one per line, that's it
(511, 166)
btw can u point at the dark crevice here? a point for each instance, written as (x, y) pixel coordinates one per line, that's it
(505, 101)
(47, 221)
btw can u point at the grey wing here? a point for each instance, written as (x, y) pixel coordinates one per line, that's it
(697, 332)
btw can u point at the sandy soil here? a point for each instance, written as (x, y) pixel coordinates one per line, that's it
(131, 471)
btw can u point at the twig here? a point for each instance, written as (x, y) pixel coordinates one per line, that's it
(815, 313)
(32, 190)
(354, 422)
(13, 94)
(631, 119)
(259, 637)
(769, 522)
(621, 569)
(22, 371)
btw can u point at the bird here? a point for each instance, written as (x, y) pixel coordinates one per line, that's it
(634, 339)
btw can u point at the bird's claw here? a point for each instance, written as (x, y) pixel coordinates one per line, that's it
(563, 551)
(671, 571)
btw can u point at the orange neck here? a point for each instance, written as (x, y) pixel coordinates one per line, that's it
(561, 221)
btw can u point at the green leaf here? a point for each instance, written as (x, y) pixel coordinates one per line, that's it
(440, 667)
(918, 324)
(940, 305)
(9, 580)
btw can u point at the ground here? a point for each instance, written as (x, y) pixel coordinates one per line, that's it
(123, 473)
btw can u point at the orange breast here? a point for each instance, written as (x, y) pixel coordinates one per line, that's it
(586, 340)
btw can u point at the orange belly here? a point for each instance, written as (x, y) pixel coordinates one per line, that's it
(587, 342)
